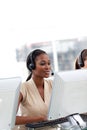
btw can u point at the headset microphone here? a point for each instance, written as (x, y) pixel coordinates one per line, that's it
(52, 73)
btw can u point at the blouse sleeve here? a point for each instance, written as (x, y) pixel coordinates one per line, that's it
(23, 91)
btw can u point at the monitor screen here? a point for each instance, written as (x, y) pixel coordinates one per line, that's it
(9, 93)
(69, 94)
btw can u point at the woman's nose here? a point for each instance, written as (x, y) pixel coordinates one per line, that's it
(48, 67)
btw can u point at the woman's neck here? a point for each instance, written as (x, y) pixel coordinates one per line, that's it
(38, 81)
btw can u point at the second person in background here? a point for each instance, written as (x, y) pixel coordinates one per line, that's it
(81, 60)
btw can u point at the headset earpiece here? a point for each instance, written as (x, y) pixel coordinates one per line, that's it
(31, 65)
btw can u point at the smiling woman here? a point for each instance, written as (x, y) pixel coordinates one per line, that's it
(35, 92)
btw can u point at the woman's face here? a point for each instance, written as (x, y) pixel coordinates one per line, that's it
(43, 66)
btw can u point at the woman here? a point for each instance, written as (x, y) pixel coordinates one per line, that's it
(35, 93)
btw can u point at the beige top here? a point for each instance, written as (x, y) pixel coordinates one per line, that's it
(33, 104)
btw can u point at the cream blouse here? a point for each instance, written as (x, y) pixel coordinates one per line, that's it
(32, 103)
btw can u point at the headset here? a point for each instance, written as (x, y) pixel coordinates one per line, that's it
(32, 64)
(80, 59)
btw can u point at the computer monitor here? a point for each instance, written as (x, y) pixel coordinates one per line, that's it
(9, 94)
(69, 94)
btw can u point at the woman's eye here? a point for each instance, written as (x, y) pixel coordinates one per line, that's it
(42, 63)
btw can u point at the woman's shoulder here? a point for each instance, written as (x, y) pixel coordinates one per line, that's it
(26, 83)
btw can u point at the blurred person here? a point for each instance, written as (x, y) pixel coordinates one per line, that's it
(35, 92)
(81, 60)
(76, 65)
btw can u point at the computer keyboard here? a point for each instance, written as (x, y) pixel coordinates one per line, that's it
(46, 123)
(52, 122)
